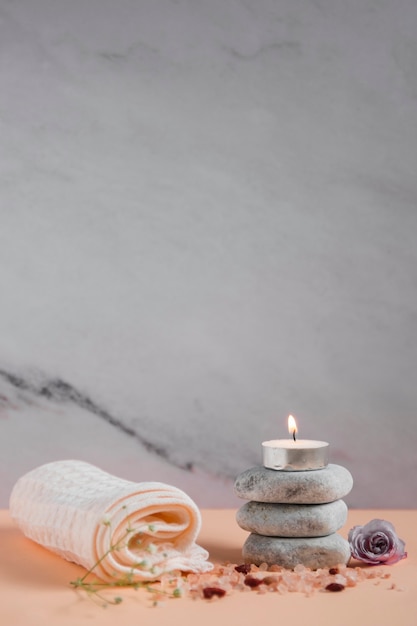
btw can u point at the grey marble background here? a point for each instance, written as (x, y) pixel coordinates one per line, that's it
(208, 221)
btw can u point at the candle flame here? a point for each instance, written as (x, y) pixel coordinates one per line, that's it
(292, 426)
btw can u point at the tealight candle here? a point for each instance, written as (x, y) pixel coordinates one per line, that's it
(295, 455)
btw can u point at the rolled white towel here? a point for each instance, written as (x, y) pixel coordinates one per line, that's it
(79, 511)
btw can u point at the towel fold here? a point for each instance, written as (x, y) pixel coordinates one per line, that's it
(137, 531)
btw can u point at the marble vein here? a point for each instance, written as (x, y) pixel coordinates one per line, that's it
(57, 390)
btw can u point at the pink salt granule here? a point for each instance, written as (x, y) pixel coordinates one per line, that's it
(226, 579)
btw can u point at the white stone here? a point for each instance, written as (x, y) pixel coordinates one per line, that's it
(292, 520)
(310, 487)
(313, 552)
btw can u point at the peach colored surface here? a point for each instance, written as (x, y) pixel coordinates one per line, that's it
(35, 591)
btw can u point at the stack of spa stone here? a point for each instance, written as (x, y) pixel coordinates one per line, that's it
(293, 517)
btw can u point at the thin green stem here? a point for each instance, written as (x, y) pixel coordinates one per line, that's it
(94, 587)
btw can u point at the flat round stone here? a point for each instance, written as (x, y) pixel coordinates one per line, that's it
(292, 520)
(310, 487)
(312, 552)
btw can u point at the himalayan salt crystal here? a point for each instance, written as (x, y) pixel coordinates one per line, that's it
(374, 573)
(230, 578)
(253, 581)
(224, 583)
(395, 586)
(341, 580)
(300, 569)
(235, 578)
(334, 587)
(213, 592)
(286, 575)
(290, 580)
(275, 568)
(315, 582)
(296, 584)
(169, 583)
(192, 579)
(309, 585)
(361, 574)
(351, 579)
(282, 588)
(306, 588)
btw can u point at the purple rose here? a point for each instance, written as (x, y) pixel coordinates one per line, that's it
(376, 543)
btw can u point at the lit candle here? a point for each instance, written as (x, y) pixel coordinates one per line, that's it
(294, 455)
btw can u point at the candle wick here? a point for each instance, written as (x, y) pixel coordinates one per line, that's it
(293, 434)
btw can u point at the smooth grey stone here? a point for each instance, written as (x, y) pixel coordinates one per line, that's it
(310, 487)
(292, 520)
(313, 552)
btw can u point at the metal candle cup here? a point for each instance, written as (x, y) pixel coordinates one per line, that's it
(295, 456)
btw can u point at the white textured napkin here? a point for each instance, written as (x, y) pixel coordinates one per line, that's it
(78, 511)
